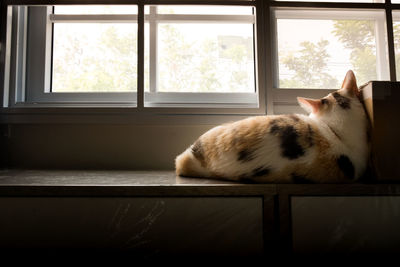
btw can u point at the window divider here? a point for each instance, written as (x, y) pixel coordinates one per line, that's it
(390, 40)
(271, 56)
(140, 56)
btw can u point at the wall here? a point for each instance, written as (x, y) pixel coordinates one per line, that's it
(95, 146)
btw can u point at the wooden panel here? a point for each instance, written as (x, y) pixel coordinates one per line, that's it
(346, 224)
(382, 101)
(149, 226)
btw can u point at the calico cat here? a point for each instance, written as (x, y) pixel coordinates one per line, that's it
(328, 146)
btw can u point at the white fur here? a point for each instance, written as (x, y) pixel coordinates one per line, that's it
(195, 164)
(351, 126)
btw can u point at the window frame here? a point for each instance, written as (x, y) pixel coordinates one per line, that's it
(154, 98)
(45, 97)
(272, 100)
(284, 99)
(289, 95)
(218, 104)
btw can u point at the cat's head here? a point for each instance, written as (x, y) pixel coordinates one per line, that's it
(340, 103)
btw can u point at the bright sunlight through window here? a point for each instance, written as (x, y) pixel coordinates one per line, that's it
(89, 56)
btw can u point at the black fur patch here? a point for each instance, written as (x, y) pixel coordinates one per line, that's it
(300, 179)
(291, 149)
(261, 171)
(197, 151)
(324, 101)
(343, 101)
(346, 166)
(274, 128)
(245, 155)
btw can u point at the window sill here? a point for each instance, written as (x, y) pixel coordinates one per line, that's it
(164, 183)
(119, 182)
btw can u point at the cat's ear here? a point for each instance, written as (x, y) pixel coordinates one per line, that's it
(309, 104)
(350, 84)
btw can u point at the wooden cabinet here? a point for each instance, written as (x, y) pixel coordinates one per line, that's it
(157, 213)
(345, 224)
(149, 225)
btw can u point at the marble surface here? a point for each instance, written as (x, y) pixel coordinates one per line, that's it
(100, 177)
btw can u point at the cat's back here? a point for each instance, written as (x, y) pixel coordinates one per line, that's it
(254, 146)
(329, 145)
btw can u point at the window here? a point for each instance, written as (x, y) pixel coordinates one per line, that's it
(89, 54)
(92, 52)
(316, 42)
(190, 58)
(339, 41)
(199, 54)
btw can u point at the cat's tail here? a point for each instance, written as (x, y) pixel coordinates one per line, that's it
(186, 164)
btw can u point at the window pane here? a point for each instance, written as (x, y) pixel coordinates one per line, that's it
(338, 42)
(205, 58)
(396, 36)
(93, 9)
(94, 57)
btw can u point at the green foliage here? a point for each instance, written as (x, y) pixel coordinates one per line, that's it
(238, 54)
(360, 38)
(108, 63)
(197, 66)
(177, 52)
(111, 69)
(209, 81)
(396, 33)
(355, 34)
(310, 63)
(309, 67)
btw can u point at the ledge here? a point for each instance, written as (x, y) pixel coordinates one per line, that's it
(119, 183)
(163, 183)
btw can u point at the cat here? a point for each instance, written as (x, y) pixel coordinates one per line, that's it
(328, 146)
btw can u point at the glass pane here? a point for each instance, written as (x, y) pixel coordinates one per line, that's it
(93, 9)
(206, 10)
(319, 58)
(396, 36)
(205, 58)
(94, 57)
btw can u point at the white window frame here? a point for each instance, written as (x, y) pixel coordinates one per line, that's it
(285, 99)
(272, 100)
(38, 96)
(153, 98)
(46, 97)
